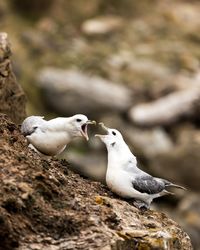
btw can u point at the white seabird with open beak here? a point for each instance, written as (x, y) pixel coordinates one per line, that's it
(51, 137)
(123, 176)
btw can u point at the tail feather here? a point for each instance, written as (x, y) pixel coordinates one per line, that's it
(170, 184)
(176, 186)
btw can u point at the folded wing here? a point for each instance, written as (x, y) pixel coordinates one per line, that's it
(148, 184)
(31, 123)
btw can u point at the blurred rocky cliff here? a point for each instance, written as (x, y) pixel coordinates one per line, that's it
(44, 205)
(133, 65)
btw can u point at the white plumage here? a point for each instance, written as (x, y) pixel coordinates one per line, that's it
(123, 176)
(51, 137)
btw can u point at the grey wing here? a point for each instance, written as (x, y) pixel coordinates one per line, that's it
(31, 123)
(148, 184)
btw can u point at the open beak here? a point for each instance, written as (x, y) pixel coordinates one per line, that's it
(84, 129)
(104, 128)
(91, 122)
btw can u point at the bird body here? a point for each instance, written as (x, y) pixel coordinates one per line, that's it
(49, 142)
(51, 137)
(122, 171)
(123, 176)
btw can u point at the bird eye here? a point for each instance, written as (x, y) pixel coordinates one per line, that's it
(113, 132)
(78, 120)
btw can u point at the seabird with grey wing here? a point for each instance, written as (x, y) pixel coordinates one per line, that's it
(124, 177)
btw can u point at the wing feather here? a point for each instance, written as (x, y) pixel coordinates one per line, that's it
(148, 184)
(31, 123)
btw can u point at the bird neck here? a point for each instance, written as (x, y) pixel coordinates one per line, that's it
(118, 152)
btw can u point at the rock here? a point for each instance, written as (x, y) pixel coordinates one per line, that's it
(12, 98)
(189, 62)
(185, 17)
(144, 75)
(102, 25)
(167, 109)
(183, 81)
(64, 211)
(70, 91)
(189, 213)
(149, 142)
(181, 163)
(138, 65)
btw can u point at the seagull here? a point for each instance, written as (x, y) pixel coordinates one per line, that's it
(51, 137)
(124, 177)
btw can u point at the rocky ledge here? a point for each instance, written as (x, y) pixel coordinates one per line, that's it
(43, 205)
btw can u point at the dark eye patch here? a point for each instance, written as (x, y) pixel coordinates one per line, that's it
(113, 132)
(78, 120)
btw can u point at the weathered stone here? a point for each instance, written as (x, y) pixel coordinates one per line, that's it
(70, 91)
(12, 98)
(149, 142)
(167, 109)
(102, 25)
(187, 212)
(138, 65)
(183, 81)
(181, 163)
(182, 12)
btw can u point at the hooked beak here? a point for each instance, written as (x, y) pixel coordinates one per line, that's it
(84, 129)
(91, 122)
(104, 128)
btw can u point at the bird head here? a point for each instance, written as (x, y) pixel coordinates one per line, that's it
(79, 125)
(111, 138)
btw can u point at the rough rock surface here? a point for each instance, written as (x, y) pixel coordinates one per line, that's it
(166, 110)
(181, 163)
(70, 91)
(12, 98)
(102, 25)
(189, 209)
(45, 206)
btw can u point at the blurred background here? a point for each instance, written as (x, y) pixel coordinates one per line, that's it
(133, 65)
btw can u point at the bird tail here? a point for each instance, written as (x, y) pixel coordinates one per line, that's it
(170, 184)
(176, 186)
